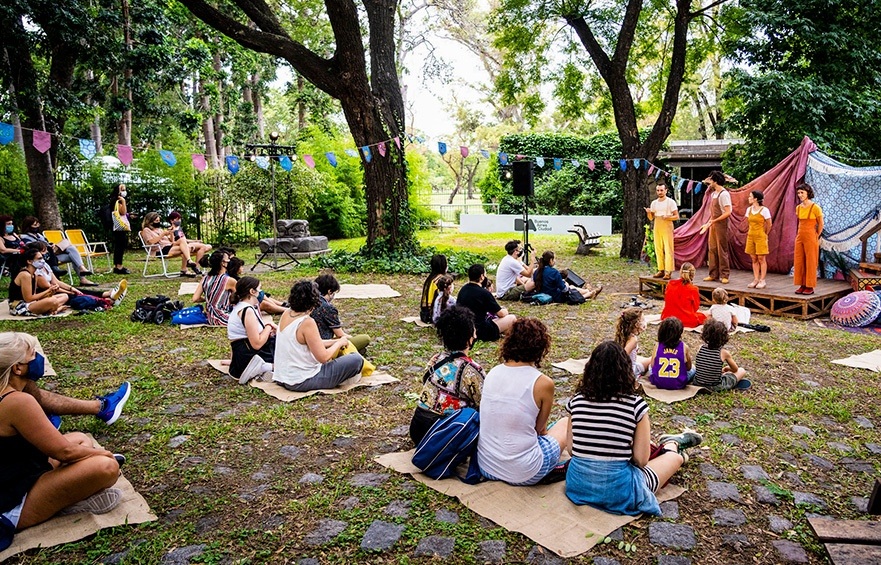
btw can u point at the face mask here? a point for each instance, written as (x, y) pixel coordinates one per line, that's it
(176, 223)
(38, 229)
(39, 264)
(123, 193)
(36, 368)
(156, 224)
(260, 296)
(10, 229)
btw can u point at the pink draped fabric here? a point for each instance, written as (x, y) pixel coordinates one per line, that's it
(778, 185)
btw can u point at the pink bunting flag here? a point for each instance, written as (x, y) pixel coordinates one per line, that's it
(310, 162)
(42, 141)
(591, 164)
(651, 169)
(690, 186)
(381, 148)
(398, 142)
(607, 164)
(124, 152)
(199, 162)
(463, 150)
(519, 157)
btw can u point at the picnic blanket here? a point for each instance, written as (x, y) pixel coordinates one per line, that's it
(65, 529)
(187, 288)
(576, 367)
(870, 361)
(285, 395)
(266, 319)
(573, 366)
(415, 320)
(5, 315)
(542, 512)
(872, 329)
(366, 291)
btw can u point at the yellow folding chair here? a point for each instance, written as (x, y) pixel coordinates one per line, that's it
(55, 237)
(88, 249)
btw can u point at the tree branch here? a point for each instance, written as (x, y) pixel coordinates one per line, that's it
(705, 8)
(594, 49)
(626, 34)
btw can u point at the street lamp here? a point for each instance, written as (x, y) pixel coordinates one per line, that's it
(273, 150)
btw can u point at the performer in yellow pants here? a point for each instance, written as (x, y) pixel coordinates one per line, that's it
(663, 212)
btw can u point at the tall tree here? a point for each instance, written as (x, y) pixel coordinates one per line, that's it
(371, 99)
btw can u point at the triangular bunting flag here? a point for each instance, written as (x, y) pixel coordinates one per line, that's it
(441, 147)
(367, 153)
(410, 137)
(607, 165)
(485, 153)
(657, 174)
(699, 187)
(464, 151)
(331, 158)
(310, 162)
(262, 161)
(558, 163)
(690, 186)
(42, 141)
(168, 157)
(591, 164)
(651, 169)
(7, 133)
(232, 164)
(681, 182)
(637, 163)
(575, 163)
(381, 148)
(397, 142)
(540, 161)
(285, 163)
(351, 152)
(503, 158)
(87, 148)
(124, 153)
(623, 164)
(199, 162)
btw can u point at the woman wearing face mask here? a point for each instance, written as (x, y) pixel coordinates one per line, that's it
(198, 249)
(153, 234)
(33, 231)
(25, 298)
(121, 228)
(252, 339)
(11, 245)
(215, 290)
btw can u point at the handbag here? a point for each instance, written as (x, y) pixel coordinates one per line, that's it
(120, 222)
(189, 316)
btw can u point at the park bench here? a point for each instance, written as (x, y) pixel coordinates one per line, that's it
(852, 541)
(585, 240)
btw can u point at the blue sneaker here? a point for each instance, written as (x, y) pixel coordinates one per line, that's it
(112, 404)
(55, 419)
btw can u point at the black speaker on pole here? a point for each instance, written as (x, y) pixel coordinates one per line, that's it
(523, 185)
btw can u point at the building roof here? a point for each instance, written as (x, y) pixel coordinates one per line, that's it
(697, 152)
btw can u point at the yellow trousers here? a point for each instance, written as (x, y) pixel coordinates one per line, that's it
(663, 233)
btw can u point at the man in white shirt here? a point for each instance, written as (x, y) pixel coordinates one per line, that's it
(663, 212)
(513, 278)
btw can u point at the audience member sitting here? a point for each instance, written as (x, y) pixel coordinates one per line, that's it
(631, 323)
(328, 317)
(303, 361)
(46, 278)
(452, 379)
(612, 467)
(33, 231)
(196, 247)
(443, 300)
(438, 268)
(672, 365)
(215, 288)
(236, 269)
(252, 340)
(548, 280)
(11, 245)
(715, 368)
(153, 234)
(490, 319)
(513, 277)
(682, 299)
(44, 472)
(721, 311)
(515, 444)
(25, 298)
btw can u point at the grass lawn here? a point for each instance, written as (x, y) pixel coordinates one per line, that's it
(232, 487)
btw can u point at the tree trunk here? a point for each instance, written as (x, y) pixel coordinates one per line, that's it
(301, 104)
(208, 125)
(218, 116)
(257, 101)
(124, 125)
(701, 122)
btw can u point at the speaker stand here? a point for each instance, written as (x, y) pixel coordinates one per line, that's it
(526, 225)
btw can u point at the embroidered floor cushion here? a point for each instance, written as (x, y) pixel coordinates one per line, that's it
(857, 309)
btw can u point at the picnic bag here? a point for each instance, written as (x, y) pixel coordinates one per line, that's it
(155, 309)
(449, 441)
(189, 316)
(540, 298)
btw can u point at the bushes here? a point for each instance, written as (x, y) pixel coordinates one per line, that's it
(15, 193)
(414, 262)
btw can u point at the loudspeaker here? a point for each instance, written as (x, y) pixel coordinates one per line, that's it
(523, 185)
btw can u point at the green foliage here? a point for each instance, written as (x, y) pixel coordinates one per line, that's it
(15, 194)
(380, 259)
(648, 249)
(336, 214)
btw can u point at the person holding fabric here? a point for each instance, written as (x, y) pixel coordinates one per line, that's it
(720, 210)
(215, 289)
(121, 228)
(759, 221)
(807, 241)
(682, 299)
(663, 211)
(513, 277)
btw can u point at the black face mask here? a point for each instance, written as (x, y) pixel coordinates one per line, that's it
(38, 229)
(156, 224)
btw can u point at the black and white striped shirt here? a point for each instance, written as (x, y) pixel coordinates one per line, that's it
(604, 430)
(708, 367)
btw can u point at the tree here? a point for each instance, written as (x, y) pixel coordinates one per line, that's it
(519, 24)
(371, 100)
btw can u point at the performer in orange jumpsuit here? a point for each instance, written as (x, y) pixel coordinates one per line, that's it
(807, 241)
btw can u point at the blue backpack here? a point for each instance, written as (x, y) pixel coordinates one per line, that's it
(448, 443)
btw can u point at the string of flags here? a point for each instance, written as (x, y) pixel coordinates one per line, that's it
(42, 141)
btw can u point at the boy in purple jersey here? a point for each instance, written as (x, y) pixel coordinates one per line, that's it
(672, 364)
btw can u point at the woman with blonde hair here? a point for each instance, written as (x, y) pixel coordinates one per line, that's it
(153, 234)
(42, 471)
(682, 299)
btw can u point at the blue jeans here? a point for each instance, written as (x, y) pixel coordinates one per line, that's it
(331, 374)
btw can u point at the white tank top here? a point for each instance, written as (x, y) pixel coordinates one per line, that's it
(508, 443)
(294, 363)
(235, 329)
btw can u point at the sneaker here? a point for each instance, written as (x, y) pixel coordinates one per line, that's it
(120, 459)
(55, 419)
(99, 503)
(118, 293)
(684, 440)
(122, 271)
(254, 369)
(112, 404)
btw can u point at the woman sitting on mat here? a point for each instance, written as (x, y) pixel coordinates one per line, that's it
(236, 269)
(328, 317)
(515, 443)
(682, 299)
(452, 380)
(25, 296)
(43, 471)
(153, 234)
(215, 289)
(612, 467)
(548, 280)
(252, 340)
(303, 361)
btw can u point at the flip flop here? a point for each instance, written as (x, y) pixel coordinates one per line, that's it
(743, 384)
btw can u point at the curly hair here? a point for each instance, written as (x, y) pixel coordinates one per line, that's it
(527, 342)
(608, 373)
(807, 188)
(327, 283)
(714, 334)
(544, 261)
(670, 332)
(455, 328)
(304, 296)
(628, 321)
(686, 273)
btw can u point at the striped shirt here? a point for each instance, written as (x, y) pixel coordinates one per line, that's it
(604, 430)
(708, 366)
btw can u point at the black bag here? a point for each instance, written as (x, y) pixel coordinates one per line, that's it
(573, 279)
(425, 314)
(105, 214)
(155, 309)
(575, 297)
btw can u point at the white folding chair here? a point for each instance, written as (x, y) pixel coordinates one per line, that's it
(155, 250)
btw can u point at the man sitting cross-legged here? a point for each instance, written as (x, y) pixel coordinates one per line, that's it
(513, 277)
(490, 319)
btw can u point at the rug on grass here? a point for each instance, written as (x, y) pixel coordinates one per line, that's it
(573, 366)
(285, 395)
(5, 315)
(415, 320)
(266, 319)
(871, 329)
(65, 529)
(542, 512)
(187, 288)
(366, 291)
(576, 367)
(870, 361)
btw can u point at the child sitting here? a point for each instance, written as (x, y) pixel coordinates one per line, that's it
(715, 367)
(630, 324)
(443, 299)
(672, 364)
(723, 312)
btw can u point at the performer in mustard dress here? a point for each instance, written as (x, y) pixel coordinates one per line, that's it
(759, 220)
(807, 241)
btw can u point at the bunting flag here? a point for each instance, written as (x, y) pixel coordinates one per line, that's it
(441, 147)
(310, 162)
(285, 163)
(698, 188)
(540, 161)
(591, 164)
(124, 154)
(410, 137)
(366, 152)
(637, 163)
(88, 149)
(397, 142)
(7, 133)
(351, 152)
(681, 183)
(657, 174)
(232, 163)
(381, 148)
(42, 140)
(419, 139)
(262, 161)
(575, 163)
(463, 150)
(623, 164)
(608, 165)
(485, 153)
(503, 158)
(690, 186)
(651, 169)
(199, 162)
(331, 158)
(558, 163)
(168, 157)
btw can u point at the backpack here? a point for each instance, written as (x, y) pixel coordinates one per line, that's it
(190, 315)
(105, 214)
(450, 441)
(84, 302)
(539, 298)
(155, 309)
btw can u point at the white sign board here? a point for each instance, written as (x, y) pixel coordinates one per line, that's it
(546, 225)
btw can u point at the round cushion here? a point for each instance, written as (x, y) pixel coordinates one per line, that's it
(857, 309)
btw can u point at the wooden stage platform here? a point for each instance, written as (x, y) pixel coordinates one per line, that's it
(778, 298)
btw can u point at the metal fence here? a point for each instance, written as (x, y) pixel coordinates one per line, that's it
(451, 212)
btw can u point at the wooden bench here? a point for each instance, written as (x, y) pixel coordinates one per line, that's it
(585, 240)
(852, 541)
